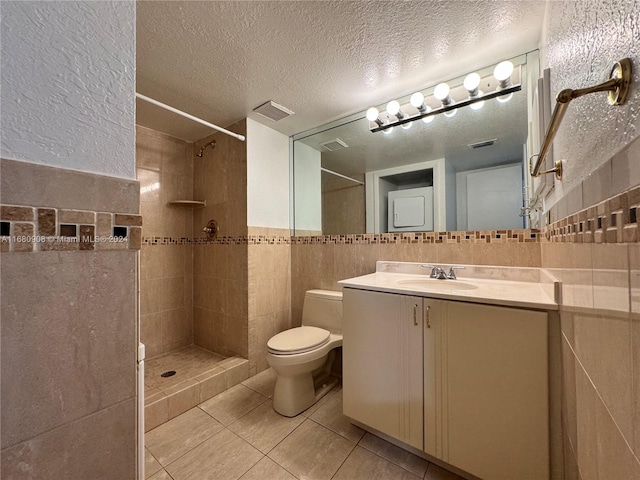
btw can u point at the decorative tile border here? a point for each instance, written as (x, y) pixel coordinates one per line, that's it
(222, 240)
(478, 236)
(32, 229)
(612, 221)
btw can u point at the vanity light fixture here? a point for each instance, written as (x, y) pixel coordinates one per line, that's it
(373, 115)
(472, 84)
(417, 101)
(441, 93)
(500, 82)
(503, 72)
(393, 108)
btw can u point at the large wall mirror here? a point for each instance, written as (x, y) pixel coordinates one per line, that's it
(462, 172)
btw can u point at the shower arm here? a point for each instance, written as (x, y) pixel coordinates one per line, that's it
(618, 88)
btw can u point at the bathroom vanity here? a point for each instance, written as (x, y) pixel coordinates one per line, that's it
(456, 369)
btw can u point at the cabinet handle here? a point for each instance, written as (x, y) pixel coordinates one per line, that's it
(415, 314)
(426, 316)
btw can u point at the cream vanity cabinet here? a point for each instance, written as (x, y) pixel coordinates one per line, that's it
(466, 383)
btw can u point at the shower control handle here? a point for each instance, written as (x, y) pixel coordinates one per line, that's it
(211, 229)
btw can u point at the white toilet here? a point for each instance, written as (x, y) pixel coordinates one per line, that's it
(302, 357)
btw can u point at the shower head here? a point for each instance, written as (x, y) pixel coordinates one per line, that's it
(211, 144)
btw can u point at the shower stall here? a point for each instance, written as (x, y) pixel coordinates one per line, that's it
(193, 291)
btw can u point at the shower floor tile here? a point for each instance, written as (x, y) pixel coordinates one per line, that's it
(199, 375)
(188, 363)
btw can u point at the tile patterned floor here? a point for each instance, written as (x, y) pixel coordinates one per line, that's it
(237, 435)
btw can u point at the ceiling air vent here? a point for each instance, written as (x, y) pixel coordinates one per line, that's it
(333, 145)
(273, 111)
(485, 143)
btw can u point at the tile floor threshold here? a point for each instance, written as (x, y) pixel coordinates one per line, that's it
(238, 435)
(200, 375)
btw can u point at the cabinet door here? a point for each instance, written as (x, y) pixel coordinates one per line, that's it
(434, 311)
(496, 387)
(382, 363)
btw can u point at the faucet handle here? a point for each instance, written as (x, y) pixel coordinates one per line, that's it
(452, 274)
(435, 271)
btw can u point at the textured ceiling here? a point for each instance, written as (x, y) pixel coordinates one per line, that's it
(324, 60)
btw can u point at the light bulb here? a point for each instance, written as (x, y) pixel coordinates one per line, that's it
(477, 105)
(504, 98)
(417, 100)
(441, 92)
(387, 131)
(427, 109)
(471, 83)
(451, 113)
(393, 108)
(406, 126)
(373, 114)
(503, 71)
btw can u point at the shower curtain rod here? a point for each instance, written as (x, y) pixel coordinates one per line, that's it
(190, 117)
(342, 176)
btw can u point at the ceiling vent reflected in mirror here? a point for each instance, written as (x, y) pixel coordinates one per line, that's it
(273, 111)
(333, 145)
(485, 143)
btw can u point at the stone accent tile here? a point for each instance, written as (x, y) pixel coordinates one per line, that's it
(87, 237)
(104, 227)
(16, 214)
(128, 220)
(101, 445)
(59, 246)
(46, 221)
(25, 230)
(76, 216)
(135, 238)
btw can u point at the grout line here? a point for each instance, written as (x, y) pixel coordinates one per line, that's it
(593, 385)
(392, 461)
(194, 447)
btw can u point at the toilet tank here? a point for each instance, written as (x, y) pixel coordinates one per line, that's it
(323, 308)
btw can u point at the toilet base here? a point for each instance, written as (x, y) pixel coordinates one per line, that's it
(293, 395)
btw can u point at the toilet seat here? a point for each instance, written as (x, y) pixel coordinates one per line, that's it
(298, 340)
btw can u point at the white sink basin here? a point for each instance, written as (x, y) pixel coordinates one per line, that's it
(436, 285)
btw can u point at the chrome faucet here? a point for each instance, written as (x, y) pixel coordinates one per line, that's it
(436, 272)
(439, 272)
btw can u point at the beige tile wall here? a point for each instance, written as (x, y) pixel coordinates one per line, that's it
(164, 166)
(269, 294)
(221, 179)
(600, 335)
(220, 310)
(322, 265)
(343, 205)
(68, 339)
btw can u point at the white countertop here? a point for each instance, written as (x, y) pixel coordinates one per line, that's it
(513, 293)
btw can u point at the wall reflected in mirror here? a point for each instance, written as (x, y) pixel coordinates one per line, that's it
(464, 172)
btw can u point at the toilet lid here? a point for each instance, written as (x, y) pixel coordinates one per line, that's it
(298, 340)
